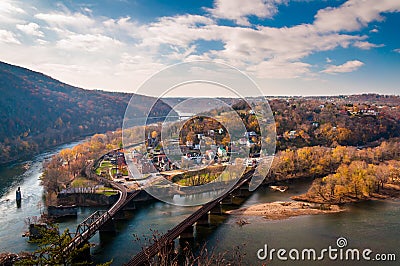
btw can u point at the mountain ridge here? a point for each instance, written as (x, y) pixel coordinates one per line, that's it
(38, 112)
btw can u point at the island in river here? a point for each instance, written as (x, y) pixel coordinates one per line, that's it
(284, 209)
(311, 204)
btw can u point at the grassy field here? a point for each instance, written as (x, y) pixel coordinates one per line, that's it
(196, 178)
(106, 191)
(105, 166)
(82, 182)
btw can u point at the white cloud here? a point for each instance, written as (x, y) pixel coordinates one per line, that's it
(366, 45)
(88, 42)
(122, 26)
(264, 51)
(328, 60)
(10, 12)
(349, 66)
(31, 29)
(353, 14)
(397, 50)
(374, 30)
(275, 69)
(67, 20)
(8, 6)
(42, 42)
(268, 51)
(177, 30)
(8, 37)
(181, 54)
(125, 48)
(239, 10)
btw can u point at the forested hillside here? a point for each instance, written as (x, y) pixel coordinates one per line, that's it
(38, 112)
(354, 120)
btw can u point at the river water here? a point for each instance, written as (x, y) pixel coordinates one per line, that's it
(374, 225)
(13, 219)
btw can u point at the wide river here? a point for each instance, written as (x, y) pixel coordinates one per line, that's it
(370, 225)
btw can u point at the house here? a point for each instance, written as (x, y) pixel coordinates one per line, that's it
(200, 136)
(145, 167)
(193, 156)
(250, 134)
(189, 143)
(292, 134)
(221, 152)
(370, 112)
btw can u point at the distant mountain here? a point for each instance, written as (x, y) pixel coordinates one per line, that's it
(38, 112)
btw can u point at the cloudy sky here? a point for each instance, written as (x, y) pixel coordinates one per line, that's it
(289, 47)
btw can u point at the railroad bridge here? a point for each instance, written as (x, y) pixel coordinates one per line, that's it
(186, 226)
(100, 220)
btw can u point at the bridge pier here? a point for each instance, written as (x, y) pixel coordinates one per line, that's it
(228, 200)
(241, 192)
(237, 193)
(108, 227)
(187, 233)
(120, 215)
(203, 220)
(216, 210)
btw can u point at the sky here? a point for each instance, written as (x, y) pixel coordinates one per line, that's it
(289, 47)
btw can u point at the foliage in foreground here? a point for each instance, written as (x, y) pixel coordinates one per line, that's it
(51, 246)
(188, 255)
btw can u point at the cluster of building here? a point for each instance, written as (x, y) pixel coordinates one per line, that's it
(196, 152)
(363, 112)
(117, 159)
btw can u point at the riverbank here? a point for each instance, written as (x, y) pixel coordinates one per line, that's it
(285, 209)
(389, 191)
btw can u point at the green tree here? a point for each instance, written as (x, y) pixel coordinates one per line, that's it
(51, 247)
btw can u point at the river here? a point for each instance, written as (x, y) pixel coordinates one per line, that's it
(13, 220)
(373, 225)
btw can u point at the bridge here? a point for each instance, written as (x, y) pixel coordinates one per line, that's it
(142, 258)
(88, 228)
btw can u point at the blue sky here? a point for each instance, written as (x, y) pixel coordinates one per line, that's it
(288, 47)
